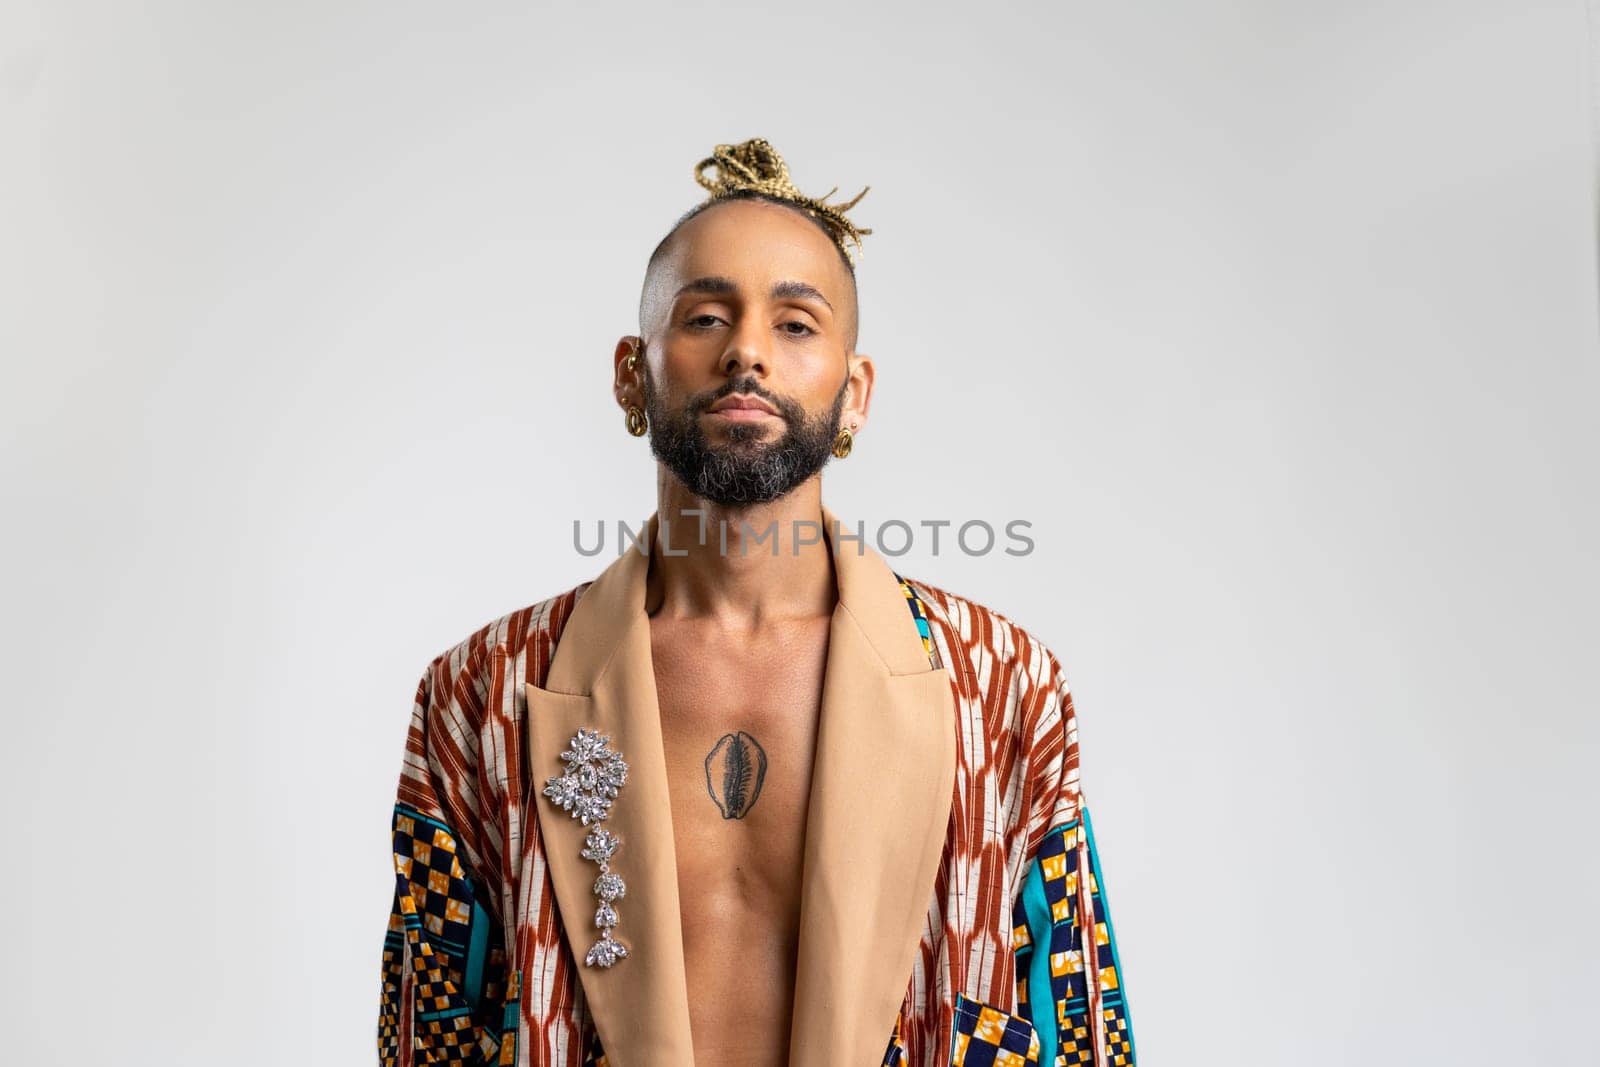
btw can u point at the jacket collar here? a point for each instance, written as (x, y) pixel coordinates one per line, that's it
(881, 791)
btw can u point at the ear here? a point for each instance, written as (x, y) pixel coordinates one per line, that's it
(628, 373)
(858, 392)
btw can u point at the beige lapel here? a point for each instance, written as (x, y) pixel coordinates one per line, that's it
(881, 789)
(601, 679)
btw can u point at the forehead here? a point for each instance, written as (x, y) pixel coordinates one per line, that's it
(755, 243)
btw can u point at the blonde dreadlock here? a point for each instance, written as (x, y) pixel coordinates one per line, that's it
(755, 166)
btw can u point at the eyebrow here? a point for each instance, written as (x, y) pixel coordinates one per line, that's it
(780, 290)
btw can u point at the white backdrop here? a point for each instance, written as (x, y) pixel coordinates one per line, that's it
(1278, 322)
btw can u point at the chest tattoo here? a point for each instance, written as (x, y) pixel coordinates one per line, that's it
(734, 769)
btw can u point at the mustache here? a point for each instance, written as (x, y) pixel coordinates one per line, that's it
(744, 387)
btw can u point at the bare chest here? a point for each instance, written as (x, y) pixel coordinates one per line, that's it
(739, 722)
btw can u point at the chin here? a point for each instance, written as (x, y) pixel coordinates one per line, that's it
(748, 436)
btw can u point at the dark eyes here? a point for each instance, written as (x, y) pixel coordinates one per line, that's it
(793, 327)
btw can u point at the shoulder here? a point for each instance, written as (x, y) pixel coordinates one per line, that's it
(1011, 693)
(983, 643)
(526, 636)
(463, 705)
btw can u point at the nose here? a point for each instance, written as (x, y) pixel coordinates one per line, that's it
(747, 351)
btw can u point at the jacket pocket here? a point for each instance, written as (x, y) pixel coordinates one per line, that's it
(983, 1035)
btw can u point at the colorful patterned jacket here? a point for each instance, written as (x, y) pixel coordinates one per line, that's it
(958, 919)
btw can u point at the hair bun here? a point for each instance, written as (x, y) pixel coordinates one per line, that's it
(755, 166)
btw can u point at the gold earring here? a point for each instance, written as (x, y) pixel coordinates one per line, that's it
(843, 442)
(632, 362)
(637, 423)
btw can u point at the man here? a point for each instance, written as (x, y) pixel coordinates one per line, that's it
(749, 797)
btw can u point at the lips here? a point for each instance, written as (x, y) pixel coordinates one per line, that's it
(742, 402)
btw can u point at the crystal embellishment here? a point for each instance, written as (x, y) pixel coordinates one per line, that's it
(594, 775)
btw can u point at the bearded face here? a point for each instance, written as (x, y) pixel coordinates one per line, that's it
(751, 465)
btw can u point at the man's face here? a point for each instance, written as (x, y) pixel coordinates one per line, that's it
(746, 368)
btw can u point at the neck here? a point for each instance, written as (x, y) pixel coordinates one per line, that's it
(741, 566)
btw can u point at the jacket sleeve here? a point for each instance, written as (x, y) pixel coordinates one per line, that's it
(1069, 978)
(443, 996)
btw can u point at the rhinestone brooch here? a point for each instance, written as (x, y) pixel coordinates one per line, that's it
(585, 790)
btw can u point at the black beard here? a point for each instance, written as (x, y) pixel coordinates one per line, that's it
(745, 470)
